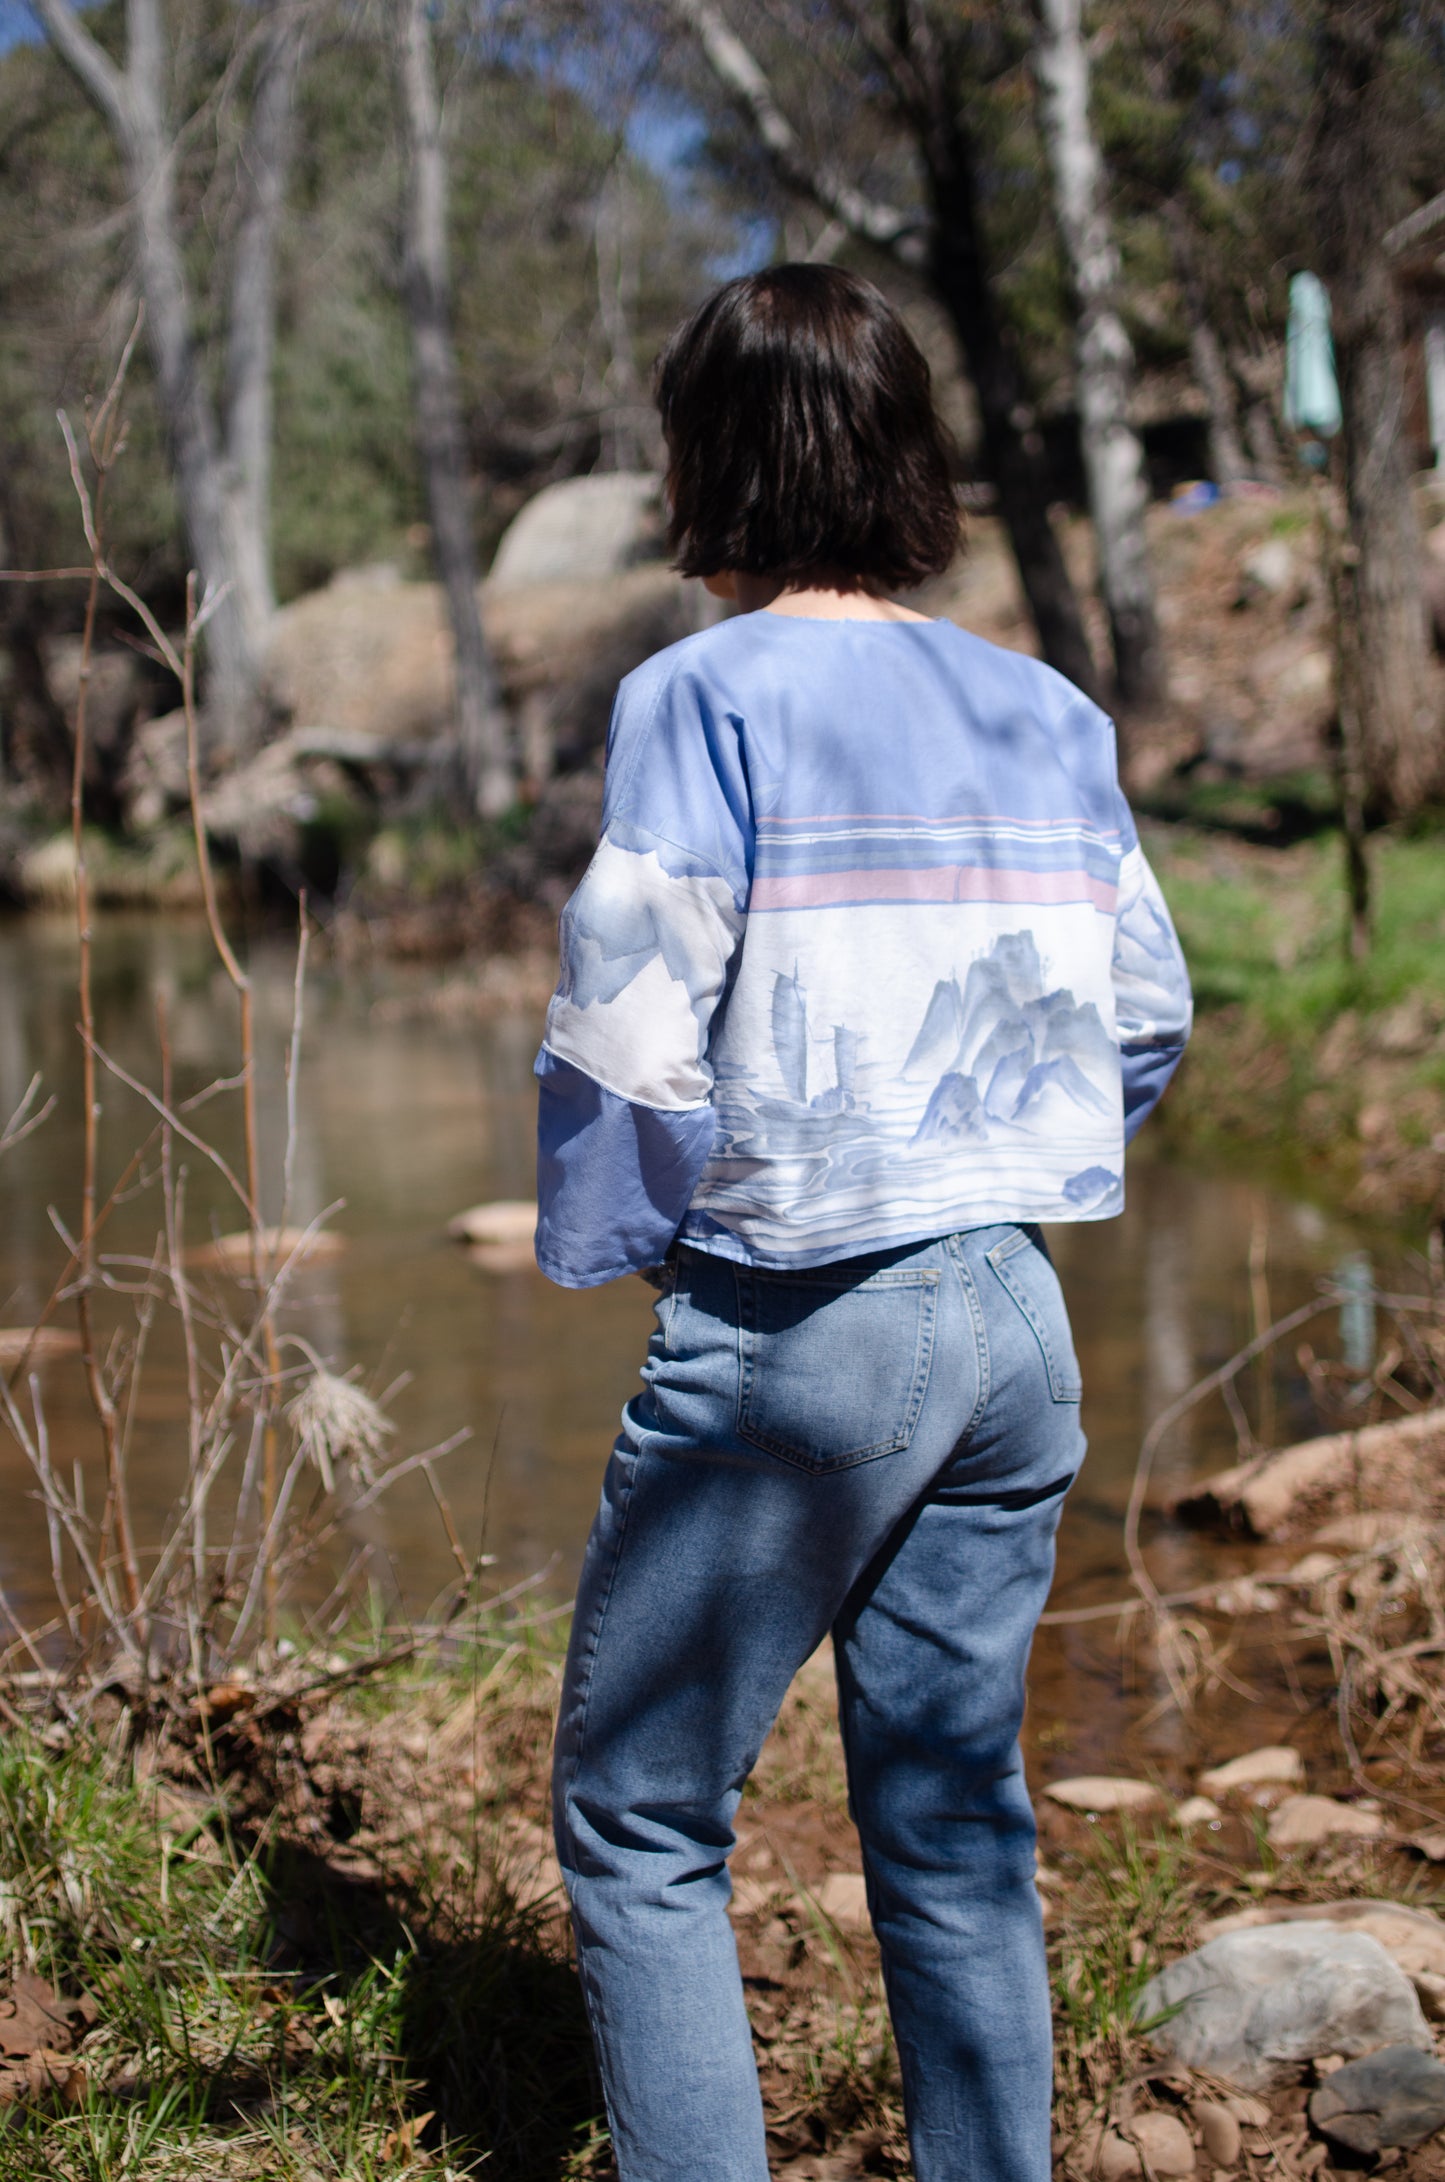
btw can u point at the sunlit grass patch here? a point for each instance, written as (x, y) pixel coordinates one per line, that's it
(266, 1999)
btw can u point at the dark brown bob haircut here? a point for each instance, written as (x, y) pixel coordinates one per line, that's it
(802, 436)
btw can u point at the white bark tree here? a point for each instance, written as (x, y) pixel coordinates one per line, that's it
(1118, 486)
(484, 768)
(221, 466)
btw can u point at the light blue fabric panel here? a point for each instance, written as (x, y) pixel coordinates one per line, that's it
(613, 1179)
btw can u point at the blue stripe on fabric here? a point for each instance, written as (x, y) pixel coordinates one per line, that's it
(613, 1179)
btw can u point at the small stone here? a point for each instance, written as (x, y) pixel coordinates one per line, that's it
(1115, 2159)
(1430, 1845)
(1314, 1568)
(1218, 2130)
(1249, 2113)
(843, 1896)
(1393, 2097)
(1197, 1811)
(1104, 1792)
(1302, 1822)
(1256, 1768)
(1165, 2143)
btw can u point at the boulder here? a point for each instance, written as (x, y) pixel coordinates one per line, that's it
(1255, 1769)
(1414, 1939)
(1395, 2096)
(582, 529)
(1385, 1468)
(1301, 1822)
(1251, 2006)
(1104, 1792)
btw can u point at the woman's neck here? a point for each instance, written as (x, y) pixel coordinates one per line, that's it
(825, 598)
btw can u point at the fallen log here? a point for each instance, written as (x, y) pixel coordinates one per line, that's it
(1394, 1468)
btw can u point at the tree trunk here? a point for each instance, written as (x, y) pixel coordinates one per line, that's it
(1012, 447)
(251, 330)
(484, 763)
(1103, 355)
(1354, 178)
(133, 103)
(1211, 372)
(948, 251)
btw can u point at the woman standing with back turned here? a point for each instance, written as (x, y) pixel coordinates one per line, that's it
(867, 976)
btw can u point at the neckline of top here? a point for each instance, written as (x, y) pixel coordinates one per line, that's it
(851, 621)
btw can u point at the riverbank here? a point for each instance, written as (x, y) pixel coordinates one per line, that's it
(1335, 1069)
(324, 1938)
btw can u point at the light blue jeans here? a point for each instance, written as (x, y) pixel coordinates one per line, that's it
(878, 1448)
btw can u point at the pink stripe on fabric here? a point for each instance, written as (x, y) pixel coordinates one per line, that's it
(945, 883)
(960, 818)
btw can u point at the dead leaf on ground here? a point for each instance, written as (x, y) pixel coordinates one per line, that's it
(35, 2018)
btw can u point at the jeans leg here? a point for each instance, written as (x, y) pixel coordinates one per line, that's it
(932, 1650)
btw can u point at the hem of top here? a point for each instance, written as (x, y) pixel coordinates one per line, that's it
(714, 1246)
(567, 1277)
(698, 1106)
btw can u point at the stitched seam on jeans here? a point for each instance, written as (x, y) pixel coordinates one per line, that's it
(1063, 1386)
(594, 1636)
(980, 1333)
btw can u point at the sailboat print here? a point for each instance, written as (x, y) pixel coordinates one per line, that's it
(790, 1034)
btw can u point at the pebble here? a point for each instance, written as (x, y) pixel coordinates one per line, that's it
(1197, 1811)
(1165, 2143)
(1255, 1769)
(1104, 1792)
(1219, 2131)
(1249, 2113)
(1393, 2097)
(1314, 1568)
(1301, 1822)
(843, 1896)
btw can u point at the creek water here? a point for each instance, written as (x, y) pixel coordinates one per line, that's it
(409, 1110)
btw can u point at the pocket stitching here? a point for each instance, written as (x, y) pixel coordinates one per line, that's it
(925, 1280)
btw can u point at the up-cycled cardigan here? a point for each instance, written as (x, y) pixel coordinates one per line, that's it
(868, 953)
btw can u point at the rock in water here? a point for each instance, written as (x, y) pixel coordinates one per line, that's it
(1256, 1769)
(1302, 1822)
(1252, 2005)
(1104, 1792)
(1396, 2096)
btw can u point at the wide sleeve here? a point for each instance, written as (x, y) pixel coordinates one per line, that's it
(625, 1121)
(1153, 1010)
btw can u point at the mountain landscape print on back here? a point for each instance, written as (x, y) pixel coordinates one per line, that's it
(997, 1057)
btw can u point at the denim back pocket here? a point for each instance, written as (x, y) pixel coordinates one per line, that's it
(834, 1368)
(1027, 1272)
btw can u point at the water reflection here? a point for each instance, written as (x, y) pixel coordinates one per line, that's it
(404, 1119)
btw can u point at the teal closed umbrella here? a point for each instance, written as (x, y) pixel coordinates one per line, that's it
(1311, 390)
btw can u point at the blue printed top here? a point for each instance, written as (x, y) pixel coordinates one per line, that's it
(868, 953)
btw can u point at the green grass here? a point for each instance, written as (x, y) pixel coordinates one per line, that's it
(265, 2011)
(1292, 1037)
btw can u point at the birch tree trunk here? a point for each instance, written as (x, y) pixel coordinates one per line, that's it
(1103, 355)
(1353, 168)
(484, 767)
(251, 325)
(223, 493)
